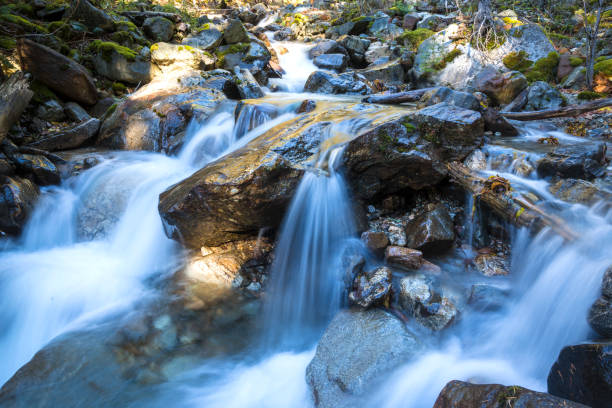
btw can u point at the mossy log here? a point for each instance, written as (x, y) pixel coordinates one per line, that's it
(15, 94)
(399, 97)
(511, 207)
(572, 110)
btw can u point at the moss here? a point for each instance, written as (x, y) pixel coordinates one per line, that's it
(576, 61)
(544, 69)
(203, 27)
(107, 49)
(605, 67)
(125, 26)
(25, 24)
(414, 38)
(119, 88)
(122, 37)
(41, 92)
(400, 8)
(512, 21)
(111, 109)
(233, 49)
(447, 58)
(589, 95)
(517, 61)
(410, 128)
(7, 43)
(300, 19)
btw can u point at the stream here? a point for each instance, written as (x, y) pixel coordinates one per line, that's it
(103, 249)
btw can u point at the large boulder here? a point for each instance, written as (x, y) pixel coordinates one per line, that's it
(120, 63)
(357, 351)
(583, 373)
(92, 17)
(58, 72)
(69, 138)
(600, 314)
(235, 33)
(455, 98)
(17, 198)
(44, 170)
(329, 83)
(179, 57)
(158, 28)
(336, 62)
(583, 161)
(389, 73)
(542, 96)
(207, 40)
(501, 88)
(326, 47)
(356, 48)
(460, 394)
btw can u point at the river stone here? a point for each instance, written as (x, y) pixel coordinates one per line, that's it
(51, 111)
(371, 287)
(375, 241)
(459, 394)
(600, 314)
(455, 98)
(410, 22)
(357, 351)
(542, 96)
(84, 12)
(119, 67)
(336, 62)
(429, 308)
(207, 40)
(586, 161)
(356, 48)
(17, 199)
(487, 298)
(179, 57)
(583, 373)
(326, 47)
(70, 138)
(491, 265)
(376, 51)
(576, 79)
(248, 87)
(56, 71)
(382, 27)
(578, 191)
(404, 257)
(390, 73)
(328, 83)
(501, 88)
(432, 230)
(44, 171)
(75, 112)
(235, 33)
(158, 29)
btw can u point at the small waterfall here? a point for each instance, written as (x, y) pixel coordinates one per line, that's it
(293, 58)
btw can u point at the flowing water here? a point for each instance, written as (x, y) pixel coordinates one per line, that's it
(93, 243)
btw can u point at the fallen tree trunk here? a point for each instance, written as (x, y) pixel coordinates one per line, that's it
(15, 94)
(399, 97)
(572, 110)
(512, 208)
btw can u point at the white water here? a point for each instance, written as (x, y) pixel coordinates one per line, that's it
(293, 58)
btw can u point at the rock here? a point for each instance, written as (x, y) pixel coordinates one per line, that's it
(51, 111)
(410, 22)
(349, 28)
(390, 73)
(207, 40)
(583, 373)
(600, 314)
(247, 84)
(358, 349)
(501, 88)
(307, 105)
(564, 68)
(70, 138)
(455, 98)
(491, 265)
(429, 308)
(336, 62)
(179, 57)
(17, 199)
(75, 112)
(83, 11)
(459, 394)
(235, 33)
(6, 166)
(56, 71)
(158, 29)
(435, 22)
(371, 287)
(585, 161)
(576, 79)
(382, 27)
(154, 117)
(432, 230)
(356, 48)
(375, 241)
(543, 96)
(404, 257)
(376, 51)
(121, 64)
(328, 83)
(577, 191)
(284, 34)
(326, 47)
(44, 171)
(487, 298)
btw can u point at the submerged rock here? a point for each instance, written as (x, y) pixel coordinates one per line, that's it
(17, 199)
(459, 394)
(430, 309)
(356, 352)
(583, 373)
(578, 191)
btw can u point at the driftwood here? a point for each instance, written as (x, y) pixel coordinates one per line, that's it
(511, 207)
(399, 97)
(572, 110)
(15, 94)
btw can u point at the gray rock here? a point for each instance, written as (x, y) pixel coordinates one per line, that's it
(235, 33)
(487, 298)
(119, 67)
(357, 351)
(435, 22)
(372, 287)
(430, 309)
(455, 98)
(75, 112)
(501, 88)
(207, 40)
(336, 62)
(328, 83)
(158, 29)
(44, 171)
(432, 230)
(83, 11)
(326, 47)
(284, 34)
(376, 51)
(356, 48)
(382, 27)
(390, 73)
(51, 111)
(543, 96)
(576, 79)
(248, 87)
(586, 161)
(600, 314)
(179, 57)
(17, 199)
(70, 138)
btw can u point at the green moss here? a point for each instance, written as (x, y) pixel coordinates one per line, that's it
(446, 59)
(400, 8)
(125, 26)
(299, 19)
(517, 61)
(8, 43)
(203, 28)
(25, 24)
(512, 21)
(41, 92)
(111, 109)
(119, 88)
(108, 48)
(544, 69)
(605, 67)
(233, 49)
(576, 61)
(413, 39)
(410, 128)
(589, 95)
(122, 37)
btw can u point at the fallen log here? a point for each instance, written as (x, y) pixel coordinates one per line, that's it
(511, 207)
(15, 94)
(572, 110)
(399, 97)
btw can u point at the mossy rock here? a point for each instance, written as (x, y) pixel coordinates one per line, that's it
(544, 69)
(41, 92)
(589, 95)
(517, 61)
(447, 59)
(604, 67)
(7, 43)
(576, 61)
(25, 24)
(106, 49)
(119, 88)
(412, 39)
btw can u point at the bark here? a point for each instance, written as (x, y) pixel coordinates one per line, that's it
(512, 208)
(572, 110)
(399, 97)
(591, 37)
(15, 94)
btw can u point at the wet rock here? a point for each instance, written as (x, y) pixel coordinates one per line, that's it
(487, 298)
(69, 138)
(6, 166)
(284, 34)
(459, 394)
(158, 29)
(543, 96)
(600, 314)
(404, 257)
(94, 18)
(179, 57)
(370, 288)
(501, 88)
(326, 47)
(306, 106)
(477, 160)
(44, 171)
(56, 71)
(377, 51)
(356, 48)
(579, 161)
(328, 83)
(351, 27)
(577, 191)
(51, 111)
(248, 87)
(375, 241)
(122, 66)
(207, 40)
(358, 349)
(583, 373)
(383, 27)
(75, 112)
(336, 62)
(430, 309)
(491, 265)
(455, 98)
(235, 33)
(17, 199)
(432, 230)
(390, 73)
